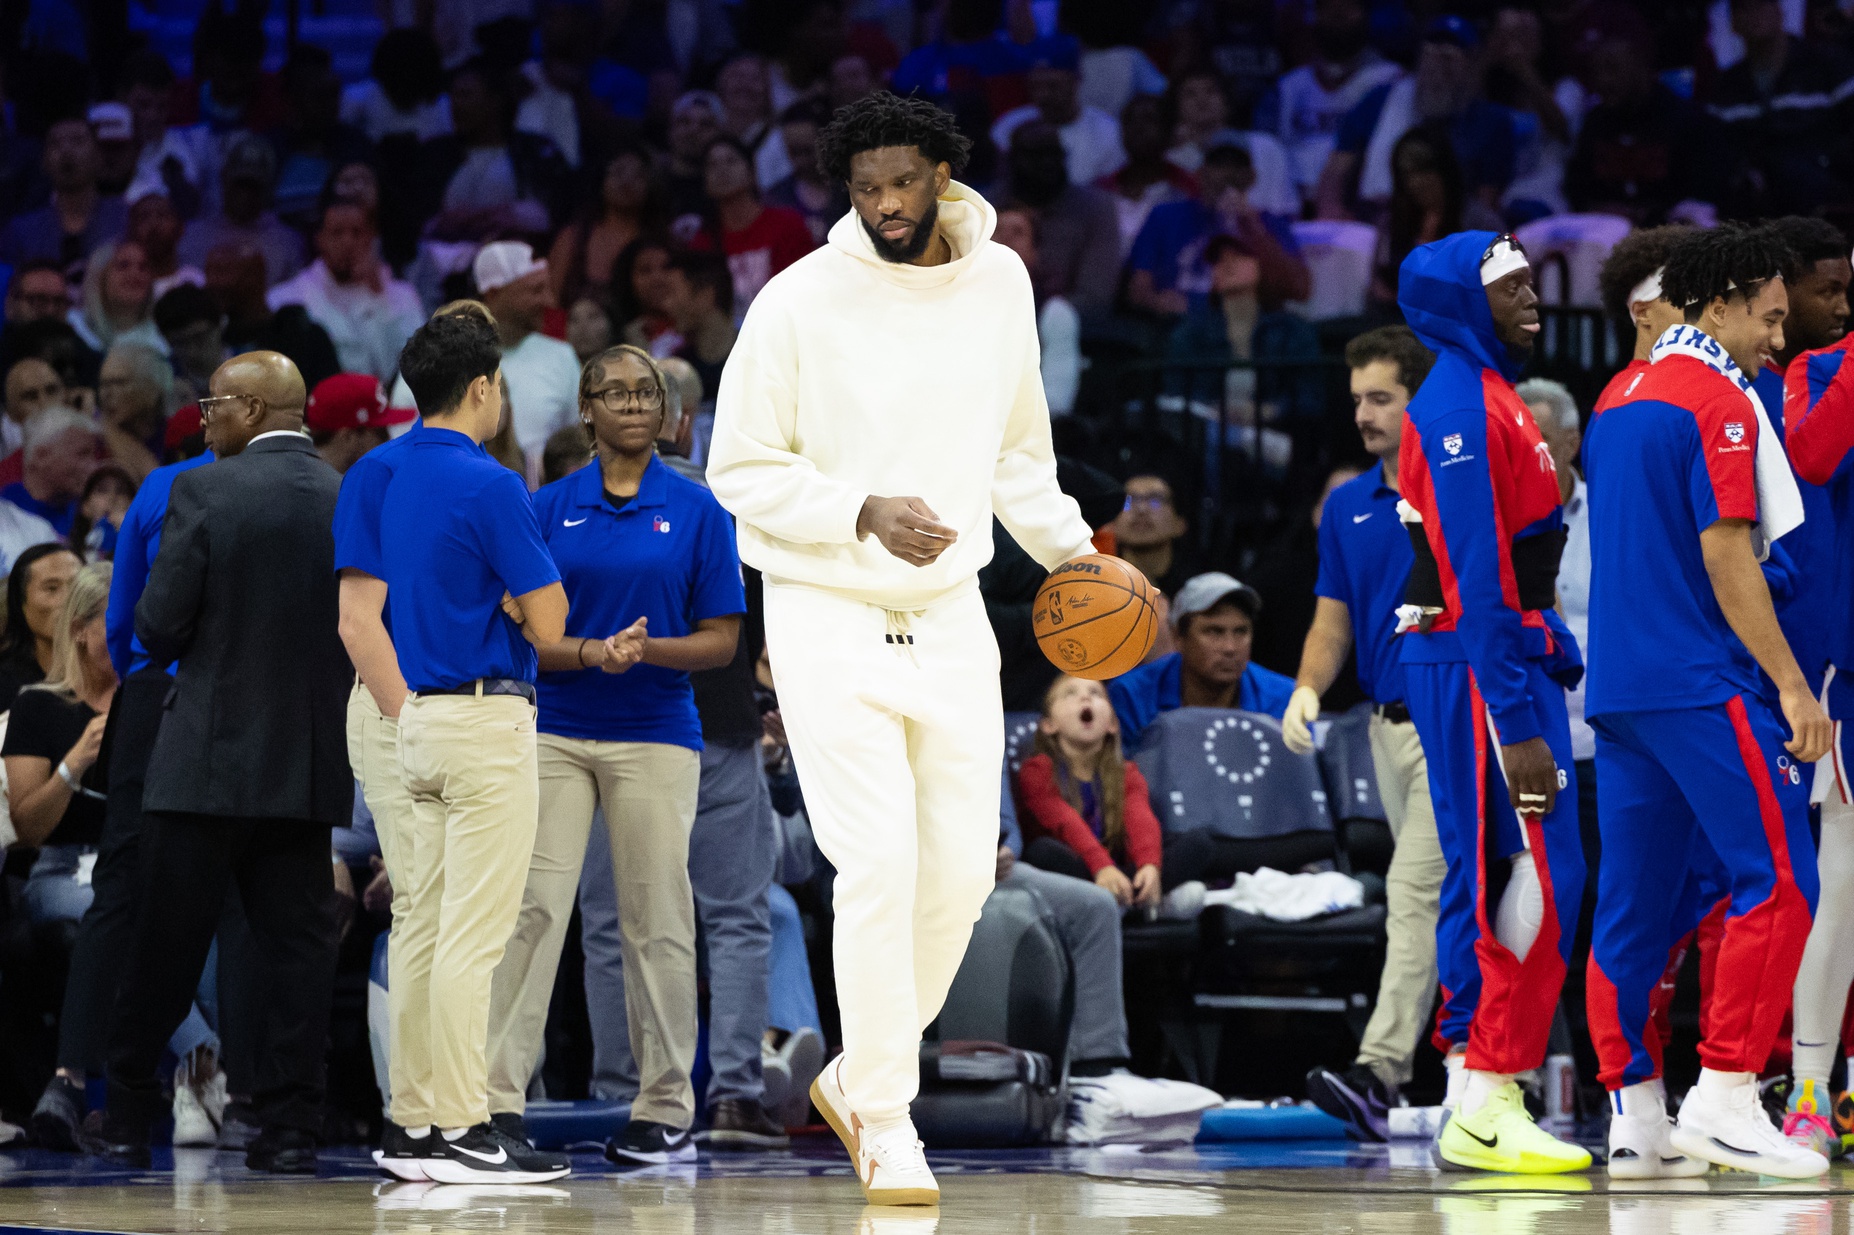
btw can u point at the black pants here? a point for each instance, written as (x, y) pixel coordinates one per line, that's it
(1197, 855)
(105, 933)
(282, 872)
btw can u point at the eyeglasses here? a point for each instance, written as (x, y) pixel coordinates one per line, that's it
(1147, 501)
(211, 404)
(618, 399)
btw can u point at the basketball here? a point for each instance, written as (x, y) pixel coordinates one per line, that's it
(1095, 617)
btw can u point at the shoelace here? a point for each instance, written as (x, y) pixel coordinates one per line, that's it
(899, 1152)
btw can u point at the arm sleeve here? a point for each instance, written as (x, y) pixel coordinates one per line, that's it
(126, 582)
(1722, 476)
(1024, 493)
(169, 609)
(1821, 434)
(1042, 802)
(510, 536)
(1491, 630)
(1145, 840)
(753, 468)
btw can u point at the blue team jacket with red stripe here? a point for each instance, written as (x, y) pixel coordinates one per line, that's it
(1474, 466)
(1818, 408)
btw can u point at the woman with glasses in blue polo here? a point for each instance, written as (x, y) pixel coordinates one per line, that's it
(654, 588)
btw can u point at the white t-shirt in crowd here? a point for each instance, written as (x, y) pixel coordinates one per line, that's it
(19, 531)
(1111, 76)
(368, 328)
(1091, 140)
(543, 376)
(365, 106)
(1309, 113)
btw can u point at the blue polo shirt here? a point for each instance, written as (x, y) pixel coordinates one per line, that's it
(59, 517)
(668, 555)
(1142, 694)
(464, 533)
(136, 546)
(358, 533)
(1365, 560)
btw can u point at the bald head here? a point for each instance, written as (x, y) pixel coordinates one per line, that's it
(253, 393)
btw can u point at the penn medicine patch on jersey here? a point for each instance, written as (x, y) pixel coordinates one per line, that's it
(1452, 443)
(1734, 431)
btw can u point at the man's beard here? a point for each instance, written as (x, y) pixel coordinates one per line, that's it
(900, 253)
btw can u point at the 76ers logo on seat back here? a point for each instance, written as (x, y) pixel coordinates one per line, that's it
(1734, 431)
(1452, 443)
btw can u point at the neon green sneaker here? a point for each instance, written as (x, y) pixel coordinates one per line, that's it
(1502, 1137)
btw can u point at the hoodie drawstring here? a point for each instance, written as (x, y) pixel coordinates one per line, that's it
(900, 635)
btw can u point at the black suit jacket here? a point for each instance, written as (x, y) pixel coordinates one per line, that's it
(243, 596)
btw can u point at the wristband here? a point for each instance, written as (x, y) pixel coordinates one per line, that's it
(581, 655)
(70, 781)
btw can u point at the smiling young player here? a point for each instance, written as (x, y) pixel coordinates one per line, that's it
(1485, 668)
(884, 399)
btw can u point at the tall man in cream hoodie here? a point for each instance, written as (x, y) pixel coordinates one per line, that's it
(883, 401)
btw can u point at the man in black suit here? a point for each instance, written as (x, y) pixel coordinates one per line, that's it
(250, 768)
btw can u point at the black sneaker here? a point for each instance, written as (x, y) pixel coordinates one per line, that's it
(643, 1143)
(59, 1116)
(484, 1155)
(114, 1140)
(282, 1151)
(402, 1156)
(513, 1126)
(742, 1125)
(1355, 1097)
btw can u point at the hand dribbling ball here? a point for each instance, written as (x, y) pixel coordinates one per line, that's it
(1095, 617)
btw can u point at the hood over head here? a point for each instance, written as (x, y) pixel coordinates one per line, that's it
(966, 220)
(1440, 292)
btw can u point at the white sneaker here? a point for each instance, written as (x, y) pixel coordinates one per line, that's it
(1185, 901)
(891, 1167)
(199, 1106)
(1639, 1149)
(1736, 1132)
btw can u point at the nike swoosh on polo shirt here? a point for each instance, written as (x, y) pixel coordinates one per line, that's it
(573, 522)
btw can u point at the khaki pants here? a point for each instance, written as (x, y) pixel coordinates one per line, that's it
(1412, 890)
(647, 791)
(373, 752)
(469, 764)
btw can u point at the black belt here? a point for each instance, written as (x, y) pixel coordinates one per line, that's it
(1393, 713)
(487, 686)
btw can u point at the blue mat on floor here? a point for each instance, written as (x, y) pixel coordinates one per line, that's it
(1273, 1123)
(555, 1125)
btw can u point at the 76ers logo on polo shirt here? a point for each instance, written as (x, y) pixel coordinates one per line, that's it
(659, 524)
(1734, 431)
(1452, 443)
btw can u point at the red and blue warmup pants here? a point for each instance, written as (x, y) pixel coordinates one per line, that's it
(1500, 1006)
(1715, 786)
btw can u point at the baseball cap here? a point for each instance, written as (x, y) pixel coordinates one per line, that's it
(183, 424)
(1205, 592)
(501, 263)
(112, 122)
(250, 157)
(351, 401)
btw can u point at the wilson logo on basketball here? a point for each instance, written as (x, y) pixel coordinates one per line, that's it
(1083, 566)
(1095, 617)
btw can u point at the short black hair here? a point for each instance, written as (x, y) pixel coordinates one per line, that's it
(887, 119)
(1397, 344)
(1810, 240)
(444, 356)
(1231, 154)
(1635, 257)
(185, 305)
(148, 68)
(707, 270)
(1732, 260)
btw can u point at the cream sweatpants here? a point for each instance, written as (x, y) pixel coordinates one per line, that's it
(897, 732)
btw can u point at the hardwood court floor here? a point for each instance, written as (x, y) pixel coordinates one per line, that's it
(1290, 1188)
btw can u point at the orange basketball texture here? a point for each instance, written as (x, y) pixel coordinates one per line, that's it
(1095, 617)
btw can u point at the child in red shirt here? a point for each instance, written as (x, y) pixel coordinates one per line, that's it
(1083, 807)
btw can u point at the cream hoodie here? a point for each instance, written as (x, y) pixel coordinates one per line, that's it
(856, 376)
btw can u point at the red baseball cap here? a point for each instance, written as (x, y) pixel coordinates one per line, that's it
(183, 424)
(351, 401)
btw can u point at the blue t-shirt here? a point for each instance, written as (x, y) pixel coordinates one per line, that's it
(1141, 694)
(1170, 244)
(668, 556)
(136, 546)
(1365, 560)
(464, 533)
(58, 516)
(1674, 457)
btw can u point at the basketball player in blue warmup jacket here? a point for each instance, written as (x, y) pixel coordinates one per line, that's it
(1680, 622)
(1484, 674)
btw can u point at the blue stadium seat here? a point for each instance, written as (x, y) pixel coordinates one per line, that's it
(1352, 792)
(1019, 738)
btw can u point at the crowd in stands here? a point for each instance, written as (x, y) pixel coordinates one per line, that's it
(1164, 170)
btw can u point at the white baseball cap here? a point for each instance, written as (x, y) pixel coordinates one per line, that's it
(112, 122)
(502, 263)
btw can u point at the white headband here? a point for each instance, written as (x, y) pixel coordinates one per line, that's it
(1648, 289)
(1503, 259)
